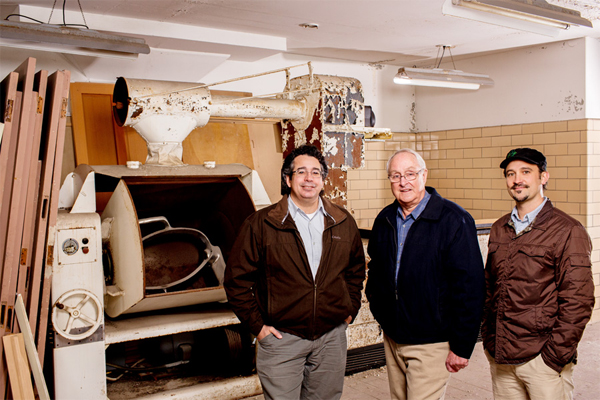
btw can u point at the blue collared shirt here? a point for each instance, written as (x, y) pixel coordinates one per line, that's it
(404, 224)
(311, 231)
(527, 219)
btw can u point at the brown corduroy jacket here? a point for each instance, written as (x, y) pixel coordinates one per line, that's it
(540, 291)
(268, 279)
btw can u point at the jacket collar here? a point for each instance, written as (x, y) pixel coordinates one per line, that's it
(432, 211)
(539, 222)
(279, 215)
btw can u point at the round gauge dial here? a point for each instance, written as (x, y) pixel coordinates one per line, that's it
(70, 247)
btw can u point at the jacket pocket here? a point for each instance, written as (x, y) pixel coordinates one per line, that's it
(534, 255)
(545, 317)
(580, 260)
(533, 251)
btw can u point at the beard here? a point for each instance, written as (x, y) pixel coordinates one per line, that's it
(519, 198)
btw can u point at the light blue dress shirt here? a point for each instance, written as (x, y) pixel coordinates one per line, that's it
(527, 219)
(311, 231)
(404, 224)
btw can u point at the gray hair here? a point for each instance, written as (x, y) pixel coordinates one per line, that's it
(420, 159)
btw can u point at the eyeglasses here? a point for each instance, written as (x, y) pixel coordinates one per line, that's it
(302, 173)
(409, 176)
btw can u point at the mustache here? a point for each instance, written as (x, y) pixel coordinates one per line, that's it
(519, 187)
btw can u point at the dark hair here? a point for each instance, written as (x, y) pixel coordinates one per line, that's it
(288, 164)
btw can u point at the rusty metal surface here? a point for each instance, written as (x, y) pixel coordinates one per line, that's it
(170, 261)
(335, 129)
(335, 186)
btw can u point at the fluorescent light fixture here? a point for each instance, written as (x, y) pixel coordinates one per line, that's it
(69, 40)
(436, 77)
(535, 16)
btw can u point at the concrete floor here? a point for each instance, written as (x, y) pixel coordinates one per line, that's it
(474, 382)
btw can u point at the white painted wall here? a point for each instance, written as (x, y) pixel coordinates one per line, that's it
(532, 84)
(592, 78)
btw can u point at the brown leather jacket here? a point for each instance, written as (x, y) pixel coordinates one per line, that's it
(268, 278)
(540, 291)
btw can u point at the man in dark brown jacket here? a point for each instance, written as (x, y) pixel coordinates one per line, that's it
(540, 291)
(294, 278)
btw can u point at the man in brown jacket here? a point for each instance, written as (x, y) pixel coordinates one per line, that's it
(540, 291)
(294, 278)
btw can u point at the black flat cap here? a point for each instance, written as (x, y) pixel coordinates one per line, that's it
(530, 156)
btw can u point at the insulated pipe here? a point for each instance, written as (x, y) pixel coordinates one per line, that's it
(225, 106)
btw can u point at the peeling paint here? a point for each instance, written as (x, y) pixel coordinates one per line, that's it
(299, 139)
(572, 104)
(330, 145)
(315, 136)
(285, 134)
(336, 128)
(413, 117)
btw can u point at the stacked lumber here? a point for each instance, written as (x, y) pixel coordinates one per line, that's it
(33, 113)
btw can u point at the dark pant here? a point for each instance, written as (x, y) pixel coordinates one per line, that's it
(293, 368)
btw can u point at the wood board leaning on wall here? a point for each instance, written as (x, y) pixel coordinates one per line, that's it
(98, 140)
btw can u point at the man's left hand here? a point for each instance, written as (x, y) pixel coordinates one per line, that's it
(455, 363)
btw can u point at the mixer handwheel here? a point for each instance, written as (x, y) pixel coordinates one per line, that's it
(70, 306)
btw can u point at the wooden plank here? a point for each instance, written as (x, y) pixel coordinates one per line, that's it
(137, 150)
(95, 134)
(13, 208)
(52, 113)
(53, 211)
(6, 311)
(16, 206)
(224, 143)
(31, 199)
(34, 361)
(18, 368)
(8, 114)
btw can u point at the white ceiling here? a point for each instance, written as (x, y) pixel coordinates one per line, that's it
(396, 32)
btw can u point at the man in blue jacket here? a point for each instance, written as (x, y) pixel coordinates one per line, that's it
(425, 282)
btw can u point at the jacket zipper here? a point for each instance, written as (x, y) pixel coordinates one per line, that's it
(397, 249)
(396, 256)
(299, 238)
(314, 309)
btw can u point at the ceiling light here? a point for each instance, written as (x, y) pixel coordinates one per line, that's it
(69, 40)
(436, 77)
(537, 16)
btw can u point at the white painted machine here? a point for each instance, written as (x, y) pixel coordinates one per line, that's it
(78, 307)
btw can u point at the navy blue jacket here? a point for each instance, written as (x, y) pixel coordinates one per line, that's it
(439, 294)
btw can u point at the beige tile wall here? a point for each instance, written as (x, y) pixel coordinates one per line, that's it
(464, 167)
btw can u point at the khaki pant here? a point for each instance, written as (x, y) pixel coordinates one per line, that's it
(416, 371)
(292, 368)
(533, 380)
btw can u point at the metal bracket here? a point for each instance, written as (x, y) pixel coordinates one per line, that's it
(60, 341)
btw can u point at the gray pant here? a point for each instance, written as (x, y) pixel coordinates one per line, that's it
(293, 368)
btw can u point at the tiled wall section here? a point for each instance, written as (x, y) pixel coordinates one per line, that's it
(464, 167)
